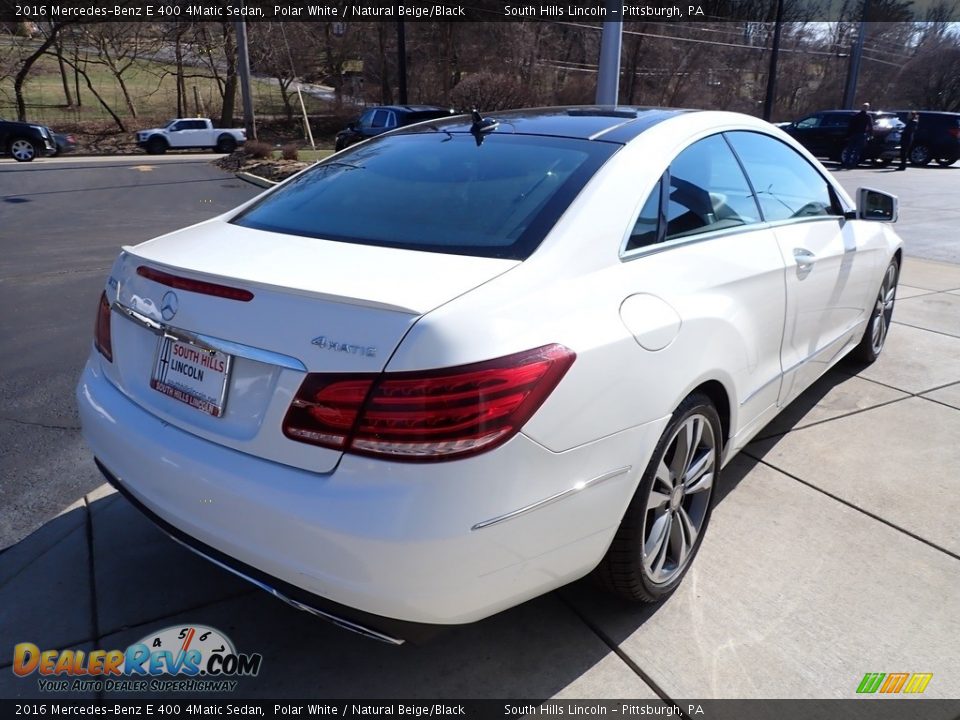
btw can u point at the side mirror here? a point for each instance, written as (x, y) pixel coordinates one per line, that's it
(877, 205)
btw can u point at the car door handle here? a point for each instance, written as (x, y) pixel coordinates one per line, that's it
(805, 259)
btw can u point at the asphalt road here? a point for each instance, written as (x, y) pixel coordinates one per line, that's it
(62, 223)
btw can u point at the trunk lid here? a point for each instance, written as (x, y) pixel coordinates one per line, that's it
(316, 306)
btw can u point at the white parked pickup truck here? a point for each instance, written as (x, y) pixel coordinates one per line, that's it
(183, 133)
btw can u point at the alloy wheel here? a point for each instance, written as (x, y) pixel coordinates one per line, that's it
(883, 309)
(920, 155)
(679, 499)
(22, 150)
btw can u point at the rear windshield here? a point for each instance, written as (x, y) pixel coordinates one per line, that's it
(436, 191)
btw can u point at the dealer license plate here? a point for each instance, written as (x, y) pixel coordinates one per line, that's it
(191, 373)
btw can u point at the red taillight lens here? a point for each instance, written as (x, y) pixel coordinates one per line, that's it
(325, 409)
(426, 416)
(101, 330)
(955, 132)
(197, 286)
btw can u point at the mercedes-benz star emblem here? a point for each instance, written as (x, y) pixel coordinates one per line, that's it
(169, 305)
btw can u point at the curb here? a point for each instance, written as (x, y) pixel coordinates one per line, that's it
(256, 180)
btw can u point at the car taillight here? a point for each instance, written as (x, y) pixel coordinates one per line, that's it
(426, 416)
(955, 132)
(101, 330)
(197, 286)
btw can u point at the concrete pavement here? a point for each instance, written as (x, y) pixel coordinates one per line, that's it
(833, 552)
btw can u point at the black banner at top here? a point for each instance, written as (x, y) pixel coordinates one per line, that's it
(590, 11)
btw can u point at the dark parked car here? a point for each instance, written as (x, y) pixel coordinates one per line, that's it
(64, 144)
(380, 119)
(825, 134)
(937, 137)
(25, 141)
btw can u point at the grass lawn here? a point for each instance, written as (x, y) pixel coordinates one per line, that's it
(311, 155)
(152, 87)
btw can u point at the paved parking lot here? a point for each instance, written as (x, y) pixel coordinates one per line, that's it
(833, 551)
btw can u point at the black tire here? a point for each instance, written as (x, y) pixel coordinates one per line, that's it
(920, 155)
(624, 569)
(339, 145)
(156, 146)
(226, 144)
(875, 333)
(946, 162)
(22, 149)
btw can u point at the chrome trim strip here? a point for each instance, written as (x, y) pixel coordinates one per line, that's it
(250, 353)
(552, 499)
(151, 325)
(338, 621)
(763, 387)
(628, 255)
(226, 346)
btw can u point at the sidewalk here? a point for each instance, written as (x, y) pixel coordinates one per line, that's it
(834, 550)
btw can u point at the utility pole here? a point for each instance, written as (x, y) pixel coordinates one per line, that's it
(608, 71)
(853, 71)
(774, 56)
(249, 121)
(402, 61)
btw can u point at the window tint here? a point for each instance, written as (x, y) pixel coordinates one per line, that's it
(436, 191)
(391, 120)
(708, 190)
(194, 125)
(787, 185)
(645, 228)
(379, 119)
(367, 118)
(835, 120)
(809, 123)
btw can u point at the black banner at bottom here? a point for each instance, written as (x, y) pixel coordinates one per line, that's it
(873, 708)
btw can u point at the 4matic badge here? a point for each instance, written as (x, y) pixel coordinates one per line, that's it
(325, 343)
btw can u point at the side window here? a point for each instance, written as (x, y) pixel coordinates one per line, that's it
(645, 228)
(196, 125)
(808, 123)
(367, 118)
(788, 187)
(835, 120)
(708, 191)
(379, 119)
(182, 125)
(391, 120)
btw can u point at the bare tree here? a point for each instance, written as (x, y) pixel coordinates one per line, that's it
(50, 32)
(119, 46)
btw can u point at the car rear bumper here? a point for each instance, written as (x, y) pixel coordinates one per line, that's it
(441, 543)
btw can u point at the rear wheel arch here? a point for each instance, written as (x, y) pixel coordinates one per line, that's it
(717, 392)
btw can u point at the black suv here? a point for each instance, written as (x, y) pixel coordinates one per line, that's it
(380, 119)
(937, 137)
(24, 141)
(825, 134)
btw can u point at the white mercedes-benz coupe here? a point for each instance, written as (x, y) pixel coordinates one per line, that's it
(469, 361)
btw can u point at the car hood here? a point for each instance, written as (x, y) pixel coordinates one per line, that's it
(150, 130)
(23, 125)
